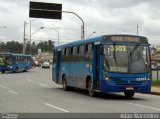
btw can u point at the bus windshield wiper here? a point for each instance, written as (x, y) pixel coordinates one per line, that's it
(114, 53)
(134, 49)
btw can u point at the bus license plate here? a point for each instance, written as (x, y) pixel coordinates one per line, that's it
(129, 88)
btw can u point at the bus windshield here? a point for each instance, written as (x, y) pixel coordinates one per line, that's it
(5, 59)
(126, 58)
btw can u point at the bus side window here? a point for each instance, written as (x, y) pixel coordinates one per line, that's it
(71, 50)
(75, 53)
(67, 54)
(71, 54)
(77, 49)
(63, 54)
(88, 51)
(81, 53)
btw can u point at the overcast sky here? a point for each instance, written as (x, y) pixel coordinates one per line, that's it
(102, 16)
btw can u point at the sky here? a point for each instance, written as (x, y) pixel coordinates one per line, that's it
(101, 17)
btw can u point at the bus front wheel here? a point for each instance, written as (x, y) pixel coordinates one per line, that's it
(64, 83)
(90, 89)
(3, 72)
(129, 94)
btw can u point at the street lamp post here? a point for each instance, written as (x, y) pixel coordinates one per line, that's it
(82, 27)
(57, 32)
(91, 34)
(24, 39)
(31, 29)
(32, 34)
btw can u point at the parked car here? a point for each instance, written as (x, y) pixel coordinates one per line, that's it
(45, 64)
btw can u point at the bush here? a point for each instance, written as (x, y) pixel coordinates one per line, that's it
(156, 82)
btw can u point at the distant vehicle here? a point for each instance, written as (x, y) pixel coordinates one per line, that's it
(108, 63)
(153, 67)
(45, 64)
(15, 62)
(37, 63)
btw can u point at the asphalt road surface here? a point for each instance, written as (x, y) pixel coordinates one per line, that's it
(34, 92)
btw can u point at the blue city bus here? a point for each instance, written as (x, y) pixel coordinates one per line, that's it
(108, 63)
(15, 62)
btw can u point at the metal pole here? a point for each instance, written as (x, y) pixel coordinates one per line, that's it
(24, 39)
(30, 39)
(57, 32)
(58, 37)
(82, 27)
(30, 42)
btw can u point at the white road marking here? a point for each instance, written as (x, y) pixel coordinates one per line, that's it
(4, 87)
(9, 89)
(29, 80)
(13, 92)
(42, 84)
(144, 106)
(56, 107)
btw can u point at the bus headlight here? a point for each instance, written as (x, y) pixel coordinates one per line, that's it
(107, 78)
(10, 67)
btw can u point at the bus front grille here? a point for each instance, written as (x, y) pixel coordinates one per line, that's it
(118, 81)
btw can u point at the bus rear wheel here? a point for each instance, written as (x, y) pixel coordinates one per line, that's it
(3, 72)
(129, 94)
(90, 89)
(64, 83)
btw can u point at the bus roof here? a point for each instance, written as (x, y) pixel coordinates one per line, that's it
(15, 54)
(78, 42)
(94, 39)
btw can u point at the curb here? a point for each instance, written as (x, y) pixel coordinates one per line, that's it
(154, 93)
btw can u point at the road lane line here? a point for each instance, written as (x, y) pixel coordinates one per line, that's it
(13, 92)
(9, 89)
(4, 87)
(29, 80)
(56, 107)
(144, 106)
(42, 84)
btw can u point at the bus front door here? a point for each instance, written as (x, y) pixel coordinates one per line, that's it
(58, 66)
(96, 81)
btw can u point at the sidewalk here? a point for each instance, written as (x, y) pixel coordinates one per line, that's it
(155, 90)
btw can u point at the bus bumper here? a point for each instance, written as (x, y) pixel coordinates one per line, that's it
(107, 86)
(8, 68)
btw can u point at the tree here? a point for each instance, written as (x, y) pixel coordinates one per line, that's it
(2, 46)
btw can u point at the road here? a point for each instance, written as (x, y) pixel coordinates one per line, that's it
(34, 92)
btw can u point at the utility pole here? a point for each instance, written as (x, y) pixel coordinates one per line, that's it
(30, 40)
(24, 39)
(137, 29)
(30, 43)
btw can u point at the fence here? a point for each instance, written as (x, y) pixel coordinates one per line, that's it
(155, 74)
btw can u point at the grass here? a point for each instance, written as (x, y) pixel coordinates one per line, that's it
(156, 83)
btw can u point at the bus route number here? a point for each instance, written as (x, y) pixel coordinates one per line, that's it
(120, 48)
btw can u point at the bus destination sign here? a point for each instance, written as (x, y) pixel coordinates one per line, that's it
(125, 38)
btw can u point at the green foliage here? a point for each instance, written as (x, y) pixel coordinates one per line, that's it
(16, 47)
(156, 82)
